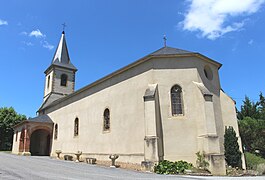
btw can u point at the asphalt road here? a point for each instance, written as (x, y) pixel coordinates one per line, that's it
(13, 167)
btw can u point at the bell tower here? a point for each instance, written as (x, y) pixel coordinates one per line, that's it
(60, 75)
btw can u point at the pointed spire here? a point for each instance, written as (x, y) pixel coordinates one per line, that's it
(61, 55)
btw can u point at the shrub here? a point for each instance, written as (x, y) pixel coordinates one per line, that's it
(261, 168)
(253, 161)
(168, 167)
(201, 162)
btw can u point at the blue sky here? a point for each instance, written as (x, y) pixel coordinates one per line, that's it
(103, 36)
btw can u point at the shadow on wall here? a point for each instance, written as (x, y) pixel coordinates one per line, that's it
(159, 128)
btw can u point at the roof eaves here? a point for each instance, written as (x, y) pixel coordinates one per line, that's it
(22, 122)
(208, 59)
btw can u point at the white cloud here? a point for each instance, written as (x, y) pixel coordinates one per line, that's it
(212, 17)
(28, 43)
(3, 22)
(251, 41)
(36, 33)
(23, 33)
(47, 45)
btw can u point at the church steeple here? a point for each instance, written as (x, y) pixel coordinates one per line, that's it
(60, 75)
(61, 55)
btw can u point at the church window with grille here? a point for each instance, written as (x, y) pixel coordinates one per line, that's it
(76, 127)
(106, 115)
(176, 100)
(63, 80)
(56, 131)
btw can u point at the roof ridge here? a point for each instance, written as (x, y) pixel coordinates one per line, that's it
(169, 50)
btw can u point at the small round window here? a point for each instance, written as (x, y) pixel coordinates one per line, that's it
(208, 72)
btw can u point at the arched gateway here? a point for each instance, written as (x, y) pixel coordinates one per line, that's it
(35, 136)
(40, 143)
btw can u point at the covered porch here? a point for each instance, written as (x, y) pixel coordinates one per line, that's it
(33, 136)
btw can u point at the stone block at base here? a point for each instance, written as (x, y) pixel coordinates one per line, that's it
(26, 154)
(147, 166)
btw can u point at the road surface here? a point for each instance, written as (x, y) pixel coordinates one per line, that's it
(13, 167)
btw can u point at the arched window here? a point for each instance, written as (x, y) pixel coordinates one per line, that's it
(106, 122)
(176, 100)
(76, 128)
(63, 80)
(48, 82)
(56, 131)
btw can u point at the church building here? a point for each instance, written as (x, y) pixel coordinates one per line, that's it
(167, 105)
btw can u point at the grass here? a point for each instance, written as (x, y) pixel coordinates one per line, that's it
(253, 161)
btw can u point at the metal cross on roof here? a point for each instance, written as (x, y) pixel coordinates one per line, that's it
(64, 25)
(165, 41)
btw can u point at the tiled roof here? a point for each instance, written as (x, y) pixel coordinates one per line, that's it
(39, 119)
(169, 50)
(42, 118)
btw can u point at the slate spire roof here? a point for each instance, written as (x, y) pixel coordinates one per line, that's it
(61, 56)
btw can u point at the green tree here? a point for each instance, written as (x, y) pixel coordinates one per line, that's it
(252, 133)
(232, 152)
(252, 125)
(8, 118)
(249, 109)
(259, 142)
(261, 107)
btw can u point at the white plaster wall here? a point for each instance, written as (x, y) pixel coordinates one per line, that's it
(179, 132)
(47, 89)
(123, 95)
(125, 102)
(183, 134)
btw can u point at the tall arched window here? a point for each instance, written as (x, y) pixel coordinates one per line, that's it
(56, 131)
(63, 80)
(176, 100)
(48, 82)
(106, 125)
(76, 128)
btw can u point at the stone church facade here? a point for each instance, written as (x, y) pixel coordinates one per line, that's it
(166, 105)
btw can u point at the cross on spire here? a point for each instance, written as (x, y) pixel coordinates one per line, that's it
(64, 25)
(165, 41)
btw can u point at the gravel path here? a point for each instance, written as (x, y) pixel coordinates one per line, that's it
(13, 167)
